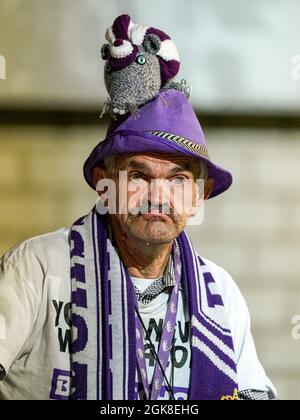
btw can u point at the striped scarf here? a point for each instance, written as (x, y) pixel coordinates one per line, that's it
(103, 355)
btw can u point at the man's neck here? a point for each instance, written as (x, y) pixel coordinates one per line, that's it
(142, 260)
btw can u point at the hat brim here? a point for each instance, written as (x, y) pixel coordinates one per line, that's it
(129, 141)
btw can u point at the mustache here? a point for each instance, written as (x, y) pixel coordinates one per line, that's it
(147, 207)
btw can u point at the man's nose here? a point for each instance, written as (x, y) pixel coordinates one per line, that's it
(159, 192)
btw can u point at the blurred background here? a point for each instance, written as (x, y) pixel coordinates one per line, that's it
(242, 60)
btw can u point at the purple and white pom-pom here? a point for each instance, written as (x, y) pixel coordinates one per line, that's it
(124, 38)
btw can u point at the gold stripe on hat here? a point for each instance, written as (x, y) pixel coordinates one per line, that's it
(183, 142)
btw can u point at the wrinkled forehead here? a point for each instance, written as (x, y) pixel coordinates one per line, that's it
(158, 159)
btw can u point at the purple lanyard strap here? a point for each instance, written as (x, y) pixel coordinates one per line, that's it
(152, 393)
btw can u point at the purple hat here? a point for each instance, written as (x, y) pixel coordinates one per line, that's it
(167, 124)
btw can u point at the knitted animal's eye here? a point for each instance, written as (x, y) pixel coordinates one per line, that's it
(141, 59)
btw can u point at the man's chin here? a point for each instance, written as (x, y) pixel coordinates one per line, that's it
(154, 230)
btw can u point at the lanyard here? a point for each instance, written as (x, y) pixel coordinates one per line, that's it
(166, 337)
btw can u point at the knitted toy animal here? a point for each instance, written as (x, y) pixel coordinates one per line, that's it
(140, 61)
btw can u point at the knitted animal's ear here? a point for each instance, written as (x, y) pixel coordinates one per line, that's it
(152, 43)
(105, 52)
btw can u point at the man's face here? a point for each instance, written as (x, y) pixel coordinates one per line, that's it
(160, 193)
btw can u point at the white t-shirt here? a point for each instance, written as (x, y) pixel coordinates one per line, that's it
(35, 322)
(153, 315)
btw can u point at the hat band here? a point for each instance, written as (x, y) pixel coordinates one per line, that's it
(183, 142)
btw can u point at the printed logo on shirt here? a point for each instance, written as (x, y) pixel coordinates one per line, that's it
(63, 324)
(181, 359)
(60, 386)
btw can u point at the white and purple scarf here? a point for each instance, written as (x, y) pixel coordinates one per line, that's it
(103, 356)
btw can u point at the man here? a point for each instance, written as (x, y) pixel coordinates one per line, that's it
(211, 345)
(121, 306)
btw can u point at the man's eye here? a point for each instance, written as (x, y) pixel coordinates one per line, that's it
(136, 177)
(179, 180)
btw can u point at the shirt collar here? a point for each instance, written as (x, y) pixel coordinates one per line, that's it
(160, 285)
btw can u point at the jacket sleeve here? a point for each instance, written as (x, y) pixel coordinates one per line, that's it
(18, 309)
(252, 378)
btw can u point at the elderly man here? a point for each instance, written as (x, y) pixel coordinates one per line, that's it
(121, 306)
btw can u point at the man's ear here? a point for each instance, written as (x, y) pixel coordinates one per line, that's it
(208, 187)
(99, 173)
